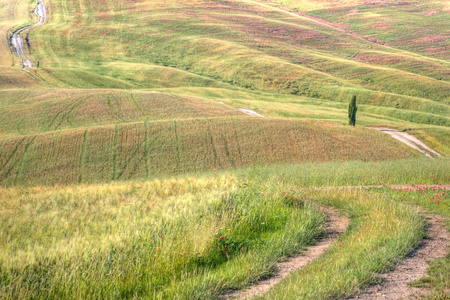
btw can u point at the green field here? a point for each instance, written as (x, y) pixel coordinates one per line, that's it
(128, 169)
(163, 238)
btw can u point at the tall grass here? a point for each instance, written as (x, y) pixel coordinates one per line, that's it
(197, 237)
(171, 239)
(357, 173)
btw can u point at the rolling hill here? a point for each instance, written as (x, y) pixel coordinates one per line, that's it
(116, 77)
(156, 149)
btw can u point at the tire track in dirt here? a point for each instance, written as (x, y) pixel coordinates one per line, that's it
(335, 226)
(395, 285)
(436, 245)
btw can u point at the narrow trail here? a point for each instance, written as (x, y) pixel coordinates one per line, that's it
(409, 140)
(250, 112)
(17, 40)
(405, 187)
(335, 226)
(395, 285)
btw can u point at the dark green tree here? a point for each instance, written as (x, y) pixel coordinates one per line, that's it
(352, 111)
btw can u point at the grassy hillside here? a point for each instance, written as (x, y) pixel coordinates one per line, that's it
(151, 148)
(166, 76)
(280, 52)
(127, 169)
(28, 112)
(24, 112)
(239, 43)
(415, 26)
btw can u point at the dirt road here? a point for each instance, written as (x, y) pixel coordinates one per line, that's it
(409, 140)
(395, 283)
(17, 40)
(335, 226)
(250, 112)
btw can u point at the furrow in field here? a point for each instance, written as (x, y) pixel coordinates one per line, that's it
(82, 156)
(21, 161)
(112, 152)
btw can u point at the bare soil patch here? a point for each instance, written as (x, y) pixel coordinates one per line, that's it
(429, 12)
(335, 226)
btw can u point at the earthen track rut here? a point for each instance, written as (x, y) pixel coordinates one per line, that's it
(335, 226)
(17, 40)
(395, 283)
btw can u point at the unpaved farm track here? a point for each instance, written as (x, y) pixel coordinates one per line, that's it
(395, 285)
(409, 140)
(17, 40)
(335, 226)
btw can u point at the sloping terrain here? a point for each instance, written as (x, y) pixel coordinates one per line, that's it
(118, 78)
(240, 43)
(157, 94)
(228, 43)
(28, 112)
(151, 148)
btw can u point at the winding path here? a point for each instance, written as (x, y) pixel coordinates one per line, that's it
(335, 226)
(250, 112)
(17, 40)
(395, 283)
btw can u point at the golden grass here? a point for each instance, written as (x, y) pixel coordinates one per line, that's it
(161, 238)
(156, 239)
(94, 216)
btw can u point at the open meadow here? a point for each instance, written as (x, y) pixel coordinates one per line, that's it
(192, 149)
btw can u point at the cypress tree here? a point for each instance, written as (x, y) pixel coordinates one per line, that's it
(352, 111)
